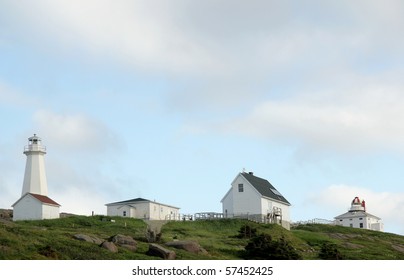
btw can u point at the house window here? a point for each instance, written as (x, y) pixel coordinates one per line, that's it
(361, 225)
(124, 213)
(240, 188)
(360, 218)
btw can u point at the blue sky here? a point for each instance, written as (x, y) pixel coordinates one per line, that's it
(169, 100)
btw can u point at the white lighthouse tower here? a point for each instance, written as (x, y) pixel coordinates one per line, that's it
(34, 203)
(35, 176)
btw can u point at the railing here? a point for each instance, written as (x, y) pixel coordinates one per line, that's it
(258, 218)
(35, 148)
(179, 217)
(315, 221)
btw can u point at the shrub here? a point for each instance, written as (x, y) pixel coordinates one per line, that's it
(247, 231)
(329, 251)
(262, 247)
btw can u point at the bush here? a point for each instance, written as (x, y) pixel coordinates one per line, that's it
(262, 247)
(247, 231)
(329, 251)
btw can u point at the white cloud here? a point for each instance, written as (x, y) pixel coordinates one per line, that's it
(133, 32)
(74, 132)
(388, 206)
(355, 120)
(80, 201)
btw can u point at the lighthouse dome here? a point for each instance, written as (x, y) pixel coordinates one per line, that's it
(357, 205)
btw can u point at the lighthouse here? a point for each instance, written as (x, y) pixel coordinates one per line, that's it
(35, 176)
(358, 217)
(34, 203)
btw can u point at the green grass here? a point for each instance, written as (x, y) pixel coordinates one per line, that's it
(53, 239)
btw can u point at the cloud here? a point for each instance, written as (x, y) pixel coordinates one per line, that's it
(388, 206)
(75, 132)
(237, 51)
(354, 121)
(135, 33)
(80, 201)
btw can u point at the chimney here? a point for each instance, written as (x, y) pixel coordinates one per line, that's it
(251, 173)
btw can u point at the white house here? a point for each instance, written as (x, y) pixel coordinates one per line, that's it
(33, 206)
(141, 208)
(254, 196)
(34, 203)
(357, 217)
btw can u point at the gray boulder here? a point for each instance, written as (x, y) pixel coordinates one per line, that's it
(109, 246)
(125, 241)
(161, 252)
(87, 238)
(187, 245)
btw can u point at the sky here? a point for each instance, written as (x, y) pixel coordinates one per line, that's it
(170, 100)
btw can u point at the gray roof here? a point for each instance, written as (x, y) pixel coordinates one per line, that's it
(355, 214)
(137, 200)
(264, 187)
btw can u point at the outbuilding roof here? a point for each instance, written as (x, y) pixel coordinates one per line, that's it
(137, 201)
(42, 198)
(264, 187)
(355, 214)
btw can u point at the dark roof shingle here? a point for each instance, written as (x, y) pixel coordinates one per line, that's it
(264, 187)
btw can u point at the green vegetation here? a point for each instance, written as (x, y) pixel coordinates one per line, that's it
(222, 239)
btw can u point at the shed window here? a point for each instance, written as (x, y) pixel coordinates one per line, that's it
(240, 188)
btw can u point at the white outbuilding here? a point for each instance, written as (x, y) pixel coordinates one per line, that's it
(357, 217)
(254, 197)
(34, 203)
(141, 208)
(33, 206)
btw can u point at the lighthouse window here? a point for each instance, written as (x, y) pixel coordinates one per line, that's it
(240, 188)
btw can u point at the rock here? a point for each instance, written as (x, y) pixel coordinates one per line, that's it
(109, 246)
(159, 251)
(187, 245)
(125, 241)
(87, 238)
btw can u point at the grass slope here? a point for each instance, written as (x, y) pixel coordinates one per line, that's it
(53, 239)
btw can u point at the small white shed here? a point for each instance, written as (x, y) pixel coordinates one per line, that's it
(141, 208)
(35, 207)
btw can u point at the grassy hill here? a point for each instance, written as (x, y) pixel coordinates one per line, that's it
(53, 239)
